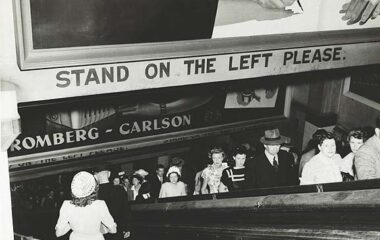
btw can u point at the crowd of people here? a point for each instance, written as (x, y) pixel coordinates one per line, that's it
(323, 163)
(326, 159)
(102, 202)
(41, 194)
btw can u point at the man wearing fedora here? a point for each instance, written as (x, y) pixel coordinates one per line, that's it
(273, 167)
(117, 202)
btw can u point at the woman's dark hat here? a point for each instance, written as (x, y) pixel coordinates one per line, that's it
(273, 137)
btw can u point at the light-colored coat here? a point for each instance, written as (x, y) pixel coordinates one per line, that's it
(367, 159)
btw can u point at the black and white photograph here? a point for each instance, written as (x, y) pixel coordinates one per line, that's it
(189, 120)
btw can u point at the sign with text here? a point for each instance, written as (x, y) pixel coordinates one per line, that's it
(110, 78)
(231, 65)
(125, 124)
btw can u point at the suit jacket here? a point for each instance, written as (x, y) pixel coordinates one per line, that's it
(144, 194)
(263, 174)
(367, 159)
(117, 203)
(155, 186)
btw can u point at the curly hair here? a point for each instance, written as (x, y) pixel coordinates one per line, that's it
(239, 150)
(215, 150)
(356, 133)
(328, 135)
(84, 201)
(318, 134)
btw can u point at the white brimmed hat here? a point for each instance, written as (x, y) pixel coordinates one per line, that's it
(83, 184)
(141, 172)
(173, 169)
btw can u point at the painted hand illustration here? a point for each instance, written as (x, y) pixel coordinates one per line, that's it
(360, 11)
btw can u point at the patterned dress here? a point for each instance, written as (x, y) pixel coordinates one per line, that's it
(212, 174)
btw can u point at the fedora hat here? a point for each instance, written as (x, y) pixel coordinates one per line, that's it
(273, 137)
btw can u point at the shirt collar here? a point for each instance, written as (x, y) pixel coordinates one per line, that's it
(160, 178)
(270, 157)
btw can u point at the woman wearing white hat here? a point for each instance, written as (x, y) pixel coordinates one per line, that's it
(88, 217)
(174, 187)
(141, 187)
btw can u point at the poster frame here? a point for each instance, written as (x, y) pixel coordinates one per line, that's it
(357, 97)
(29, 58)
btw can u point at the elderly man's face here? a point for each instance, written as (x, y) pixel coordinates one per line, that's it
(272, 149)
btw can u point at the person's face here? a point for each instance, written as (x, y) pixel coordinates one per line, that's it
(239, 160)
(160, 172)
(272, 149)
(173, 178)
(116, 181)
(126, 182)
(355, 144)
(217, 158)
(328, 148)
(135, 181)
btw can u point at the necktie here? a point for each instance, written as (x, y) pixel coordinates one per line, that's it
(275, 164)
